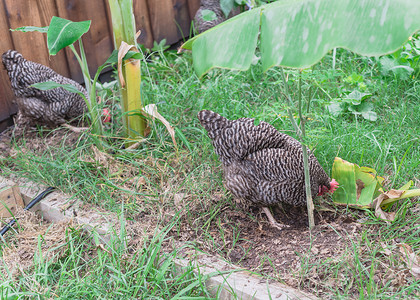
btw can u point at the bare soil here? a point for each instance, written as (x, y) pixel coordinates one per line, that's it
(285, 255)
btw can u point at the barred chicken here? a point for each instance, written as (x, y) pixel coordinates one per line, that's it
(51, 107)
(201, 24)
(262, 165)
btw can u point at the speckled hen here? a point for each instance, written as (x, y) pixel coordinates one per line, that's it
(261, 164)
(200, 22)
(51, 107)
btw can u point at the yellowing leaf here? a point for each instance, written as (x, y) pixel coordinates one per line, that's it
(122, 51)
(151, 110)
(358, 185)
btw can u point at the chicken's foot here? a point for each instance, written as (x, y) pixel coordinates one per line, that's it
(272, 221)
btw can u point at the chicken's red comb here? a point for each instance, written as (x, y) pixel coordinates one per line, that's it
(333, 185)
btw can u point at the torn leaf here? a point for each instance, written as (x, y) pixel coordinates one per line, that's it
(151, 110)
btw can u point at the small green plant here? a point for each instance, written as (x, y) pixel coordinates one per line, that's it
(160, 47)
(355, 103)
(354, 99)
(403, 63)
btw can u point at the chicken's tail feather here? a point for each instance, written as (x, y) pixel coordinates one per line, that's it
(212, 122)
(10, 58)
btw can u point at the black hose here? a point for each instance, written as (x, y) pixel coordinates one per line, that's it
(28, 207)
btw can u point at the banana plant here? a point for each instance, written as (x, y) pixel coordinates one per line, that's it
(298, 33)
(62, 33)
(129, 72)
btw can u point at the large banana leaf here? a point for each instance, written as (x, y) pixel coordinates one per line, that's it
(358, 185)
(298, 33)
(361, 187)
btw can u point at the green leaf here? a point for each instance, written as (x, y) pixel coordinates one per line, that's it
(113, 58)
(226, 6)
(358, 185)
(407, 186)
(354, 78)
(335, 109)
(366, 110)
(161, 46)
(356, 97)
(370, 115)
(371, 184)
(31, 29)
(240, 39)
(344, 173)
(208, 15)
(298, 33)
(49, 85)
(62, 33)
(134, 55)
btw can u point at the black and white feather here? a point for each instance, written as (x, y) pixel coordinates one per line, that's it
(51, 107)
(261, 164)
(200, 22)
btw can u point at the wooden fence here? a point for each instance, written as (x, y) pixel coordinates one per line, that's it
(157, 20)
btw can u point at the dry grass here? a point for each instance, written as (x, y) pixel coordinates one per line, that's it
(32, 239)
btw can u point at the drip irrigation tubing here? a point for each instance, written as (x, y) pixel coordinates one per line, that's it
(28, 207)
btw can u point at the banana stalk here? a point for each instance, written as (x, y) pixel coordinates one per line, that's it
(300, 131)
(133, 118)
(123, 24)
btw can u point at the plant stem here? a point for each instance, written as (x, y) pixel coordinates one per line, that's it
(91, 91)
(309, 202)
(301, 134)
(291, 104)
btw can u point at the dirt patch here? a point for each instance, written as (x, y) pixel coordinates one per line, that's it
(36, 141)
(245, 237)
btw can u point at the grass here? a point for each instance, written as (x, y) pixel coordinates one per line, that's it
(159, 181)
(87, 271)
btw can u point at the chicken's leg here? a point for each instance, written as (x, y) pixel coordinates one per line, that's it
(272, 221)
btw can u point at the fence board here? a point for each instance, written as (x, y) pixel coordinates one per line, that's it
(6, 107)
(6, 42)
(163, 21)
(182, 18)
(141, 14)
(32, 45)
(193, 6)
